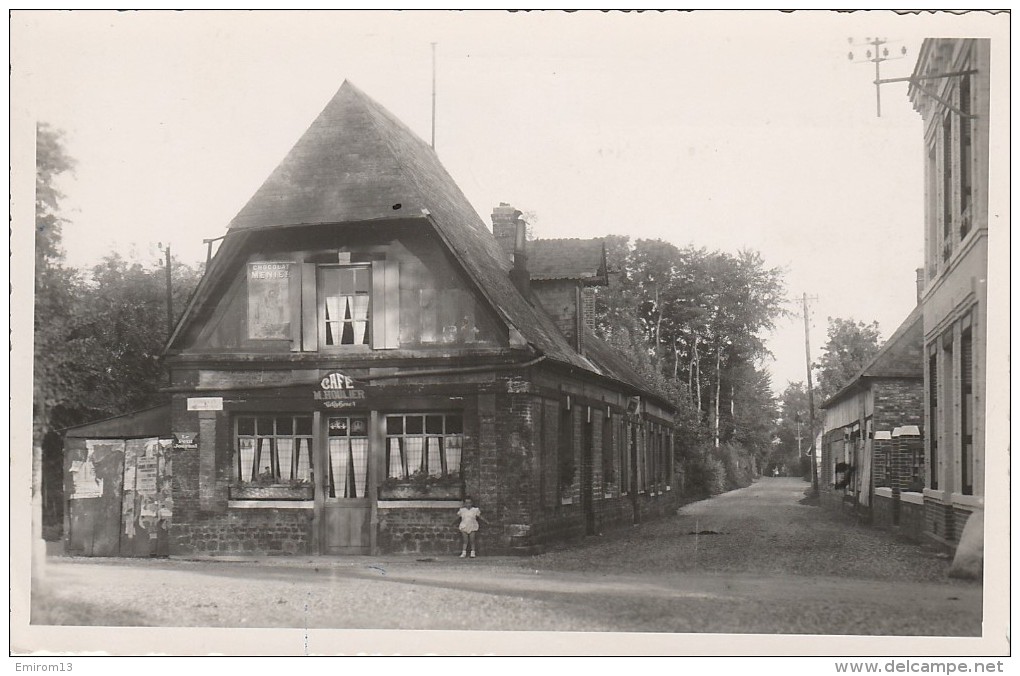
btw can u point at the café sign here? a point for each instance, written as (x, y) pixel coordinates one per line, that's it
(338, 391)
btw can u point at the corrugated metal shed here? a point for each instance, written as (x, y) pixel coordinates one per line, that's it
(145, 423)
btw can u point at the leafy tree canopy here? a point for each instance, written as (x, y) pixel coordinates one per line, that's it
(850, 346)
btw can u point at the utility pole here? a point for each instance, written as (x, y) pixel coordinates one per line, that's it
(169, 296)
(811, 397)
(876, 54)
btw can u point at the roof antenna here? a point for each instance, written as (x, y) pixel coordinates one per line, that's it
(433, 96)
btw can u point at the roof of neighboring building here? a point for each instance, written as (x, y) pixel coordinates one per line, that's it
(566, 258)
(359, 163)
(899, 357)
(148, 422)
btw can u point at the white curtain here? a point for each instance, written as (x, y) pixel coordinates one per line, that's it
(453, 451)
(435, 461)
(414, 447)
(359, 317)
(334, 319)
(338, 458)
(246, 459)
(304, 460)
(359, 456)
(396, 468)
(285, 455)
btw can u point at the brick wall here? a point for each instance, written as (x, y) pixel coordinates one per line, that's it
(897, 402)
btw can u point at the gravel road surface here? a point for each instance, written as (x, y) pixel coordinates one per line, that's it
(757, 560)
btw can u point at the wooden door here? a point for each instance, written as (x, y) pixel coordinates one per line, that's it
(346, 503)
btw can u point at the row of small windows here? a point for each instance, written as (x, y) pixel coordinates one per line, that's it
(277, 449)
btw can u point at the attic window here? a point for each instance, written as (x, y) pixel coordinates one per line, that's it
(346, 296)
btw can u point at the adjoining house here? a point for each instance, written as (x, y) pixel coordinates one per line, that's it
(951, 92)
(363, 352)
(872, 454)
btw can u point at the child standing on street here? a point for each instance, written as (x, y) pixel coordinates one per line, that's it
(467, 520)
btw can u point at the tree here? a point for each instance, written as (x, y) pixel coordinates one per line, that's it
(850, 346)
(693, 322)
(54, 293)
(793, 422)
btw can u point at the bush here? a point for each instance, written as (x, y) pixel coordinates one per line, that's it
(739, 467)
(704, 475)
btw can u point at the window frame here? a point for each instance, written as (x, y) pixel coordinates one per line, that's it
(368, 341)
(274, 450)
(407, 473)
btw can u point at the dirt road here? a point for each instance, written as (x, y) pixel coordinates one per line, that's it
(757, 560)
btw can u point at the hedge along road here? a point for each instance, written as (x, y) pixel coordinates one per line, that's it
(755, 560)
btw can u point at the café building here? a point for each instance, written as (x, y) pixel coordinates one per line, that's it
(364, 351)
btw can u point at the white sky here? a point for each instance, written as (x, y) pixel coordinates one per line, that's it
(724, 130)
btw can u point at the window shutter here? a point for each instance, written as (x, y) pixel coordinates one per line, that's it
(294, 302)
(309, 309)
(385, 305)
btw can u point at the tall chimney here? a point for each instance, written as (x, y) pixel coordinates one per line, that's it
(520, 275)
(504, 227)
(920, 284)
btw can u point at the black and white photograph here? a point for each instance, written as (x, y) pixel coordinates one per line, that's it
(676, 333)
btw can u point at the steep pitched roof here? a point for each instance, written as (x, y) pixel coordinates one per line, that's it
(566, 258)
(899, 357)
(358, 163)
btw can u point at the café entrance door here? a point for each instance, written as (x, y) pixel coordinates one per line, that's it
(346, 507)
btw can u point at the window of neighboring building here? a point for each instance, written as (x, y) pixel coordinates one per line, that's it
(967, 411)
(348, 456)
(272, 449)
(947, 395)
(931, 215)
(933, 420)
(608, 455)
(549, 477)
(947, 187)
(429, 444)
(565, 466)
(345, 293)
(966, 135)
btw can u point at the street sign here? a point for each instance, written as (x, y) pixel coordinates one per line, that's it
(205, 403)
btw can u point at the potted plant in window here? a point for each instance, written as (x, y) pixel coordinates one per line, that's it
(267, 487)
(423, 486)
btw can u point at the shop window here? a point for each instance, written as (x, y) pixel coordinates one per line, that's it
(273, 449)
(348, 457)
(419, 446)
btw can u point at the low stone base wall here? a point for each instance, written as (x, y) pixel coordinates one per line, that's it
(244, 531)
(431, 530)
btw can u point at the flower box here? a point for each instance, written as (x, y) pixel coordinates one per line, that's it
(277, 492)
(408, 491)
